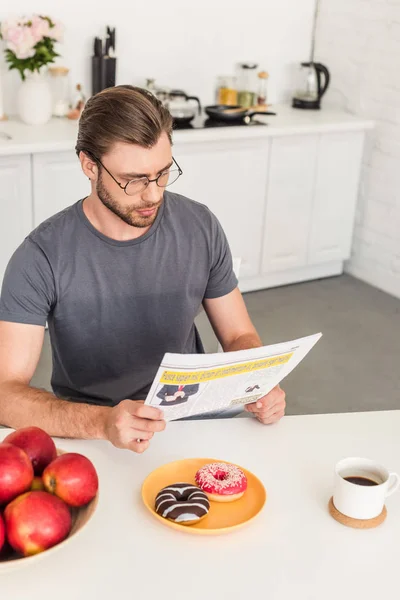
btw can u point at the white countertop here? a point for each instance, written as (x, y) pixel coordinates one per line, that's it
(60, 134)
(294, 549)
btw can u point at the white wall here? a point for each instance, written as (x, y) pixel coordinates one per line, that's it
(182, 43)
(359, 40)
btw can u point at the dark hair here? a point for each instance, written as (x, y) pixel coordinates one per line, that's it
(122, 114)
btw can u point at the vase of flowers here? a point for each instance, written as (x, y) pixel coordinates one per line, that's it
(30, 47)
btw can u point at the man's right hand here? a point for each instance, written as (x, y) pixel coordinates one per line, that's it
(130, 421)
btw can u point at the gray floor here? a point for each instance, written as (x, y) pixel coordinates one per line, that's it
(356, 364)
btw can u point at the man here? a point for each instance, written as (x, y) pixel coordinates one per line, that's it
(119, 277)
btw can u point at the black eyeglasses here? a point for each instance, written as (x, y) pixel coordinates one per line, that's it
(135, 186)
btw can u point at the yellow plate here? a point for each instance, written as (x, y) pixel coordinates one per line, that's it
(223, 516)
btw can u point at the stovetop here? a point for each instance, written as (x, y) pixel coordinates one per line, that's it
(203, 122)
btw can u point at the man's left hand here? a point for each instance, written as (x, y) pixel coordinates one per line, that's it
(270, 408)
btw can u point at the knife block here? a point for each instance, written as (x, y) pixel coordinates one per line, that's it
(103, 72)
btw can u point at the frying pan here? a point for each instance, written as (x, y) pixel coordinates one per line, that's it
(233, 114)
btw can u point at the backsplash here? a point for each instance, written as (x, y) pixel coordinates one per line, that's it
(182, 44)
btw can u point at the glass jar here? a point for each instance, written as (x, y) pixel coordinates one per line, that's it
(60, 90)
(262, 88)
(226, 91)
(247, 85)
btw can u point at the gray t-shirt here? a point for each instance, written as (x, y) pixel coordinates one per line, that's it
(115, 307)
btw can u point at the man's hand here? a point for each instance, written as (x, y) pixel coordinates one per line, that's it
(270, 408)
(131, 425)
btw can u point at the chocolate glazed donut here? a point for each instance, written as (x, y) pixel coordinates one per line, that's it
(182, 503)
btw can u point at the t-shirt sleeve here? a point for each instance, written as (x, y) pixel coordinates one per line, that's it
(222, 279)
(28, 290)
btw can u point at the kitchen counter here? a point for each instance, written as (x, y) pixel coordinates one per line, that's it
(60, 134)
(293, 549)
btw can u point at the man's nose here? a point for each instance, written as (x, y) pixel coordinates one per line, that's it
(152, 193)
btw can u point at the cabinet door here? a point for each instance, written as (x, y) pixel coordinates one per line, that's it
(289, 202)
(58, 182)
(336, 190)
(16, 219)
(231, 180)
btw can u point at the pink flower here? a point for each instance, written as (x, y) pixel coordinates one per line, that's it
(22, 34)
(56, 32)
(40, 28)
(6, 26)
(21, 41)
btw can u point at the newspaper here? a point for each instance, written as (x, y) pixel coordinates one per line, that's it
(219, 385)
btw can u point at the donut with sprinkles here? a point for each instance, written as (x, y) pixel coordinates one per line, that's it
(222, 482)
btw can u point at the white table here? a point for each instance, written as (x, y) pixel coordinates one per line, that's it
(293, 550)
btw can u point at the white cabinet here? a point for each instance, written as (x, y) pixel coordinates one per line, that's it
(335, 195)
(15, 205)
(58, 182)
(310, 206)
(230, 178)
(289, 202)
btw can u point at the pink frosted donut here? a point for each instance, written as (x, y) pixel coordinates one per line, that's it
(222, 482)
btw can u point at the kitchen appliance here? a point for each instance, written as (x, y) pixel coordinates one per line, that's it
(233, 114)
(314, 81)
(204, 122)
(313, 77)
(183, 108)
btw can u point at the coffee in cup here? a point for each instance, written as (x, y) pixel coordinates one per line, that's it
(361, 487)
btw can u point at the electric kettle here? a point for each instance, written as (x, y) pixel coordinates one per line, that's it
(313, 82)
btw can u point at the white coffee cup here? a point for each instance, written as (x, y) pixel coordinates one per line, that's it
(362, 501)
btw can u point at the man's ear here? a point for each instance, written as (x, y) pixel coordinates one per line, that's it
(89, 166)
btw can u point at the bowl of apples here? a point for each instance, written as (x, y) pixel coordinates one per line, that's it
(47, 496)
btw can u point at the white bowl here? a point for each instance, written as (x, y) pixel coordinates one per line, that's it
(80, 518)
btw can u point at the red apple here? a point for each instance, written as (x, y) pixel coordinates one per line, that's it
(37, 444)
(16, 472)
(73, 478)
(36, 521)
(2, 532)
(37, 484)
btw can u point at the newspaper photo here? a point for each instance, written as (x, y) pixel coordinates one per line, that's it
(214, 385)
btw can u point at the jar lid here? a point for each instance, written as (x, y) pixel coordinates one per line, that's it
(58, 71)
(249, 65)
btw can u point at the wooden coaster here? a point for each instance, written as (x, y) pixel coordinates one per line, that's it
(356, 523)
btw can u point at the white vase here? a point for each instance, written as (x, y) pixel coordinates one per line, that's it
(34, 99)
(2, 113)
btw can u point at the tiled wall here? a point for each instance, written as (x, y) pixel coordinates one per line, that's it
(359, 40)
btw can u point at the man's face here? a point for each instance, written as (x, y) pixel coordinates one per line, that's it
(127, 162)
